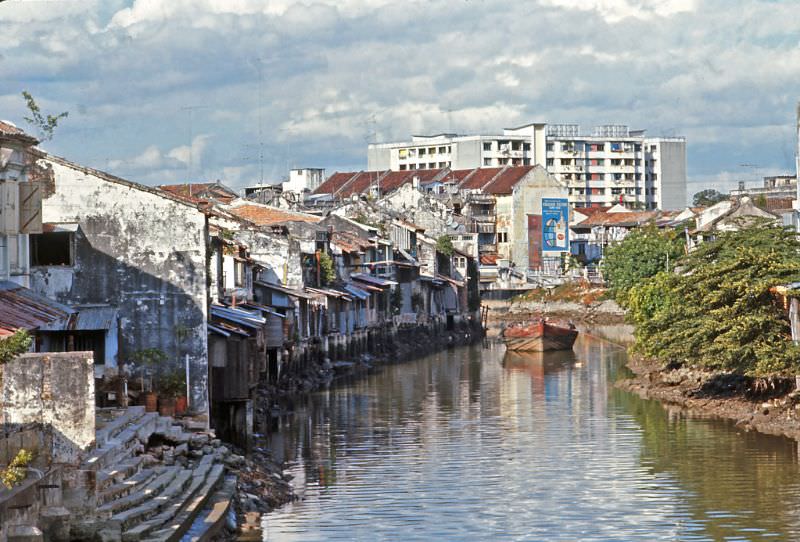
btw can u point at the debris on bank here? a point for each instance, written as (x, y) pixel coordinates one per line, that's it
(771, 407)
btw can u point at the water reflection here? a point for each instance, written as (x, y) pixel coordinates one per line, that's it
(477, 444)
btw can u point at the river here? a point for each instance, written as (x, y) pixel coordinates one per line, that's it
(476, 444)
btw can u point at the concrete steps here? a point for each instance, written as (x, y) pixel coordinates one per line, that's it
(127, 486)
(213, 518)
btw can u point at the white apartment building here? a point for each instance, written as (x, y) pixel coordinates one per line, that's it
(522, 146)
(609, 166)
(302, 179)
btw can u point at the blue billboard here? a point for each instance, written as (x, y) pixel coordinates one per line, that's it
(555, 224)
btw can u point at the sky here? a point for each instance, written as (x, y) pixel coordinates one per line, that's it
(167, 91)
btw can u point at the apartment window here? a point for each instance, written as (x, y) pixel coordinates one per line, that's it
(515, 146)
(566, 147)
(599, 147)
(526, 146)
(655, 176)
(502, 237)
(549, 146)
(52, 248)
(550, 162)
(442, 164)
(422, 152)
(526, 161)
(431, 150)
(629, 161)
(403, 167)
(616, 191)
(653, 190)
(637, 147)
(566, 161)
(412, 166)
(616, 162)
(487, 161)
(516, 162)
(618, 176)
(638, 190)
(442, 150)
(596, 177)
(448, 149)
(487, 146)
(638, 176)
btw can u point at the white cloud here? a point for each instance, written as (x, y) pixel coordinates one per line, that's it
(311, 82)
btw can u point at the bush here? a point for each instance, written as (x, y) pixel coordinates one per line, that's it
(720, 313)
(13, 346)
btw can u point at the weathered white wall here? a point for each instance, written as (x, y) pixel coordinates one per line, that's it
(141, 252)
(54, 389)
(525, 200)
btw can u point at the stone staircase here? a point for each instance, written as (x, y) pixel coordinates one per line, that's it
(153, 480)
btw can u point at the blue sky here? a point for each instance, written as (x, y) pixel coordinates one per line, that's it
(163, 91)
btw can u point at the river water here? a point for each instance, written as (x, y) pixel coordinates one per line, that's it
(477, 444)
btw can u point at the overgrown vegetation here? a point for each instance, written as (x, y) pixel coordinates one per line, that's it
(644, 253)
(16, 471)
(45, 125)
(445, 245)
(326, 269)
(13, 346)
(718, 311)
(579, 291)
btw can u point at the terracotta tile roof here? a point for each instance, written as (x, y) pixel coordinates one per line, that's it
(263, 215)
(634, 218)
(350, 242)
(480, 178)
(457, 176)
(489, 259)
(359, 184)
(196, 192)
(777, 204)
(8, 129)
(591, 211)
(506, 180)
(335, 182)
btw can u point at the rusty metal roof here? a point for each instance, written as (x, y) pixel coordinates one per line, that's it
(21, 308)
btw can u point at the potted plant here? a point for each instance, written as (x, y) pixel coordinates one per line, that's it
(171, 385)
(148, 362)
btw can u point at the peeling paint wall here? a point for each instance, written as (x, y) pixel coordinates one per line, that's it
(278, 253)
(140, 252)
(55, 389)
(526, 199)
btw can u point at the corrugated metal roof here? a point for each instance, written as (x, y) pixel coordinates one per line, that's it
(373, 280)
(356, 291)
(283, 289)
(21, 308)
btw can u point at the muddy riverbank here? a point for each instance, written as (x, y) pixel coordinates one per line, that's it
(706, 394)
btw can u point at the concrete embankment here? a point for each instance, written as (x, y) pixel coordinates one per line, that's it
(770, 409)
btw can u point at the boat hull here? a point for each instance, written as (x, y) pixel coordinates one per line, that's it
(540, 337)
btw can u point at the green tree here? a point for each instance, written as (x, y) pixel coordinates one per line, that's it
(13, 346)
(445, 245)
(719, 312)
(327, 271)
(708, 197)
(45, 125)
(642, 254)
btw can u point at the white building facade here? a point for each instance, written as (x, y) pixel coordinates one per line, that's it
(609, 166)
(20, 205)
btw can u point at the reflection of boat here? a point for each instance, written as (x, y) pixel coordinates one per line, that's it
(540, 336)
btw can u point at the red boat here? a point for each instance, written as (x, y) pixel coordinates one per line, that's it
(540, 336)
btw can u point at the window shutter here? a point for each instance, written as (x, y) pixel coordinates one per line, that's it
(30, 211)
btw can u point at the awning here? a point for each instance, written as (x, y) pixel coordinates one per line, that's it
(242, 317)
(451, 280)
(21, 308)
(431, 279)
(331, 293)
(63, 227)
(407, 256)
(218, 330)
(284, 290)
(375, 281)
(263, 308)
(356, 291)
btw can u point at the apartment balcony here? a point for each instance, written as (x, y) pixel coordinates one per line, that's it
(481, 227)
(484, 217)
